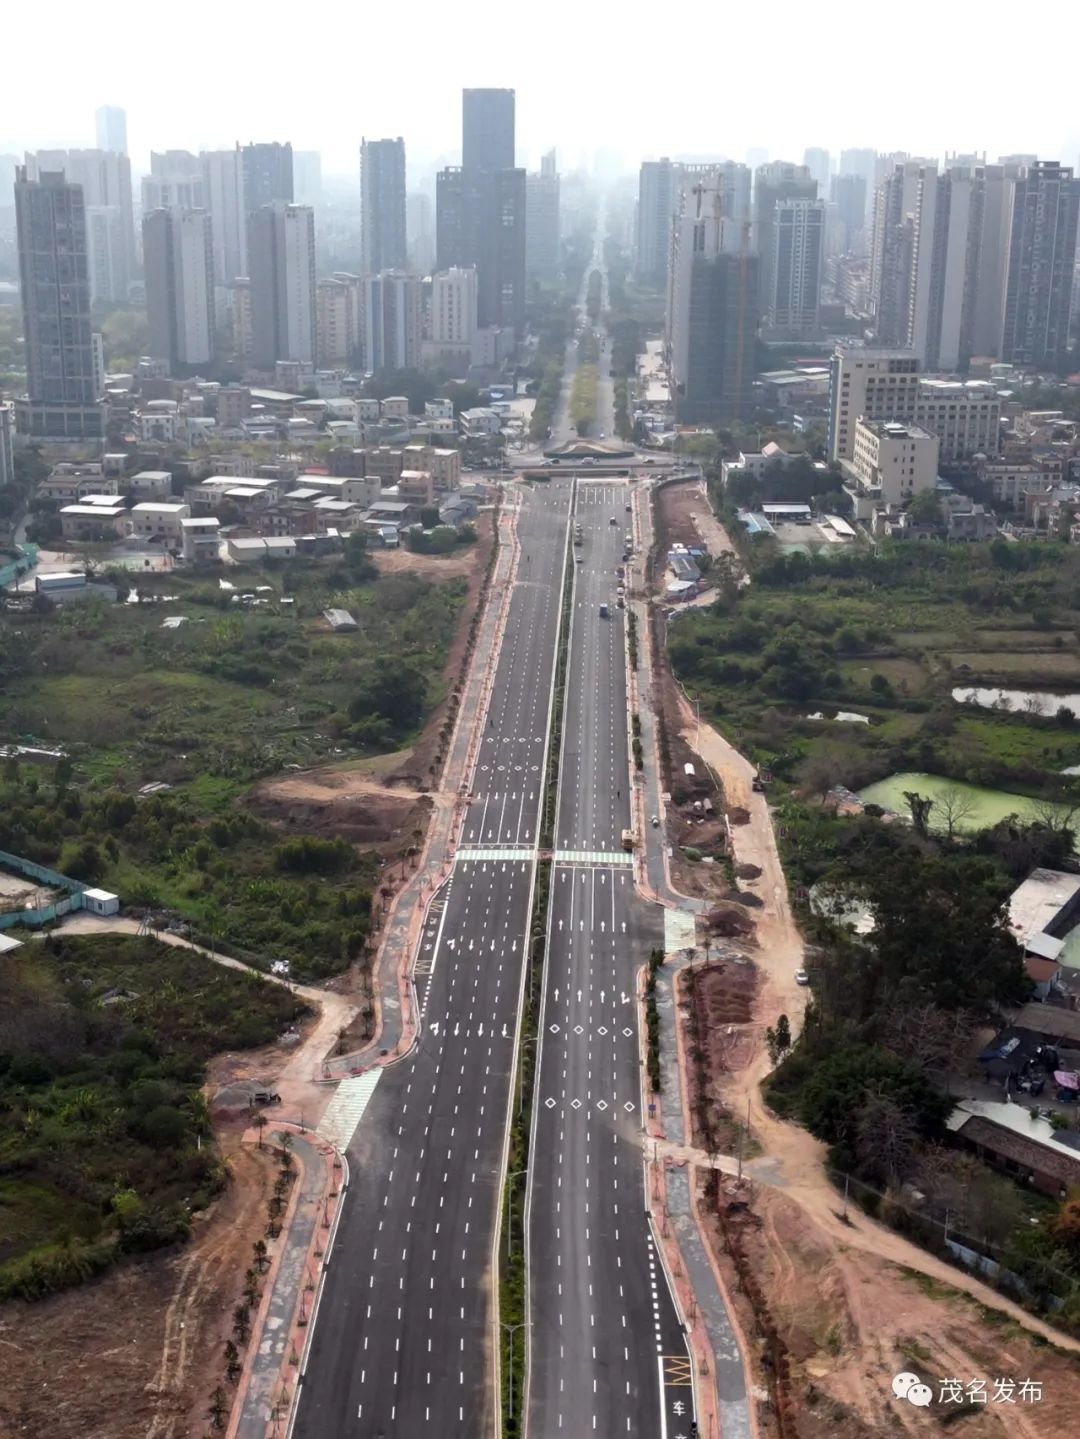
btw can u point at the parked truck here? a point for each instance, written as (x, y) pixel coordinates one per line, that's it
(628, 839)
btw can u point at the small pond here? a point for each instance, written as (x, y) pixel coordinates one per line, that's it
(987, 805)
(1040, 702)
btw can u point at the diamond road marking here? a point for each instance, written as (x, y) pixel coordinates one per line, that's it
(628, 1032)
(601, 1030)
(554, 1028)
(628, 1107)
(575, 1104)
(549, 1103)
(578, 1029)
(601, 1104)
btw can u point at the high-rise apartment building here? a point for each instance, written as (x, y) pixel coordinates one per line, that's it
(111, 128)
(773, 183)
(713, 311)
(338, 325)
(393, 320)
(61, 402)
(848, 194)
(661, 184)
(819, 163)
(106, 254)
(223, 191)
(798, 230)
(480, 209)
(542, 226)
(861, 162)
(383, 228)
(178, 260)
(307, 177)
(487, 129)
(105, 178)
(454, 307)
(1042, 252)
(868, 384)
(904, 212)
(420, 232)
(175, 180)
(268, 174)
(281, 252)
(655, 212)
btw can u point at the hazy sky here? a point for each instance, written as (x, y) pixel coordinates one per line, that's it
(919, 77)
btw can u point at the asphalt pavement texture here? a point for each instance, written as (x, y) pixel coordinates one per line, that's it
(403, 1341)
(607, 1350)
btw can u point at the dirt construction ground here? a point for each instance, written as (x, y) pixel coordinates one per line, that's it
(849, 1305)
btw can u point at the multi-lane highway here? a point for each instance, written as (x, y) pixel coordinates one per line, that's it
(403, 1342)
(607, 1353)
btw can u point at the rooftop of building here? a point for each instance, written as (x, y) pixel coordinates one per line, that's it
(1036, 903)
(158, 507)
(894, 429)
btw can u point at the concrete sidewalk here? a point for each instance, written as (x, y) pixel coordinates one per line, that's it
(668, 1121)
(280, 1325)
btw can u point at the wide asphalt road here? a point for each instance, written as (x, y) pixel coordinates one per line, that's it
(403, 1341)
(608, 1356)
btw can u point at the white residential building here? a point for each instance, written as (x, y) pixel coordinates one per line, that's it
(964, 415)
(159, 518)
(393, 320)
(877, 384)
(338, 325)
(178, 256)
(798, 233)
(454, 306)
(281, 249)
(223, 194)
(892, 462)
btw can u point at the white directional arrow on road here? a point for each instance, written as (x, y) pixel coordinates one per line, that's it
(624, 926)
(579, 996)
(456, 1028)
(435, 1027)
(625, 998)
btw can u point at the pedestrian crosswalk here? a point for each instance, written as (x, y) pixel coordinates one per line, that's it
(593, 856)
(346, 1108)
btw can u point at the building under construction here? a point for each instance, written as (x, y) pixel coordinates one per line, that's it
(713, 310)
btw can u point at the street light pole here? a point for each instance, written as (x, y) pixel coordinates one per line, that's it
(512, 1329)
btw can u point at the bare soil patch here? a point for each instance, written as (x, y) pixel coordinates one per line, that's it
(135, 1354)
(344, 804)
(830, 1326)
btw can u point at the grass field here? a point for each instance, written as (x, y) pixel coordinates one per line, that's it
(890, 637)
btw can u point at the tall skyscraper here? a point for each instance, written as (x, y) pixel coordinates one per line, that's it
(111, 128)
(307, 177)
(542, 226)
(861, 162)
(223, 191)
(420, 232)
(62, 400)
(818, 162)
(105, 178)
(904, 212)
(791, 306)
(487, 129)
(454, 307)
(480, 209)
(281, 251)
(549, 163)
(713, 310)
(178, 259)
(393, 317)
(655, 210)
(106, 255)
(772, 183)
(870, 384)
(995, 200)
(1042, 252)
(268, 174)
(383, 232)
(848, 194)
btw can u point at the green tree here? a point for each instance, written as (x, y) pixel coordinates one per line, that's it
(925, 508)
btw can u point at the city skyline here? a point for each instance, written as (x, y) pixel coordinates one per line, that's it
(91, 73)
